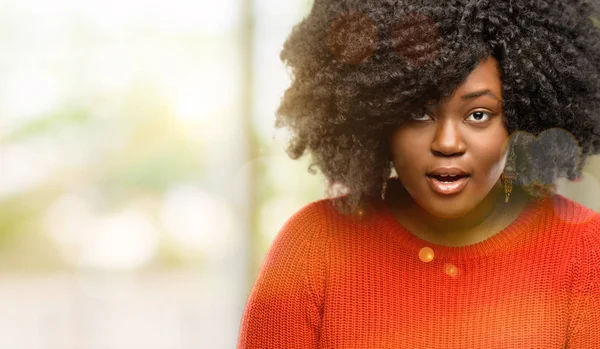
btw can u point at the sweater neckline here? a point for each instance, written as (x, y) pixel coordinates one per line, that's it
(512, 235)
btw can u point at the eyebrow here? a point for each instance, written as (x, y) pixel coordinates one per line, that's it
(477, 94)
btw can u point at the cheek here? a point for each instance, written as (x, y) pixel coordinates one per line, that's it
(492, 162)
(406, 151)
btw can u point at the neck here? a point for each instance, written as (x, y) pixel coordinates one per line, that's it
(485, 220)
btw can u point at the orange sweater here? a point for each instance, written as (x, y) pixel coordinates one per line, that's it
(330, 281)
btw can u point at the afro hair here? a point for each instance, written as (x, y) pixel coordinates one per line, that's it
(360, 68)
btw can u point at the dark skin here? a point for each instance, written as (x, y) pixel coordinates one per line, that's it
(465, 130)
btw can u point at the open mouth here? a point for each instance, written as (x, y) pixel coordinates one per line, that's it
(447, 178)
(447, 184)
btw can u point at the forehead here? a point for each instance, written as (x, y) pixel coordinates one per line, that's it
(485, 76)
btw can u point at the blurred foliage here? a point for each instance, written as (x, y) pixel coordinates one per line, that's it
(47, 124)
(152, 154)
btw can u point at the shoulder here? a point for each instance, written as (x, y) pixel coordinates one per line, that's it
(298, 251)
(323, 212)
(309, 217)
(590, 237)
(566, 224)
(319, 224)
(585, 229)
(305, 228)
(571, 212)
(586, 260)
(584, 284)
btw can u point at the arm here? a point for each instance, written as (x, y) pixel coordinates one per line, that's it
(584, 330)
(284, 306)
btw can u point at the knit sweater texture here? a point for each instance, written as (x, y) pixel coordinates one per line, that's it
(365, 282)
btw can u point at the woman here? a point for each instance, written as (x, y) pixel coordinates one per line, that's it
(479, 107)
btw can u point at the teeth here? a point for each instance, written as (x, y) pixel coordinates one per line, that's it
(448, 175)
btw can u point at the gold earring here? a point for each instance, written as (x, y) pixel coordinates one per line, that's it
(509, 174)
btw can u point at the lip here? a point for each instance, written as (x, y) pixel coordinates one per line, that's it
(447, 188)
(448, 171)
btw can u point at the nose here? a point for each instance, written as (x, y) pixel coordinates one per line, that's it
(447, 140)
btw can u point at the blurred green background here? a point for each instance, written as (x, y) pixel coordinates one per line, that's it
(141, 178)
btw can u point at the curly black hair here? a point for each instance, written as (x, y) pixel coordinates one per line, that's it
(360, 68)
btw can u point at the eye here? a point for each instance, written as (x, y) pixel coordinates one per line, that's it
(479, 116)
(413, 117)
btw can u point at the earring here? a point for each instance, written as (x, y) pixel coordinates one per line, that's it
(385, 182)
(509, 174)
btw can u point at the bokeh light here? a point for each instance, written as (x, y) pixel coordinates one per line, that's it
(426, 254)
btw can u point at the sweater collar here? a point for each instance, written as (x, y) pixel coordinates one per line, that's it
(511, 237)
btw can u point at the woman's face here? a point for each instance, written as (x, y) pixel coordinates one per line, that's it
(464, 131)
